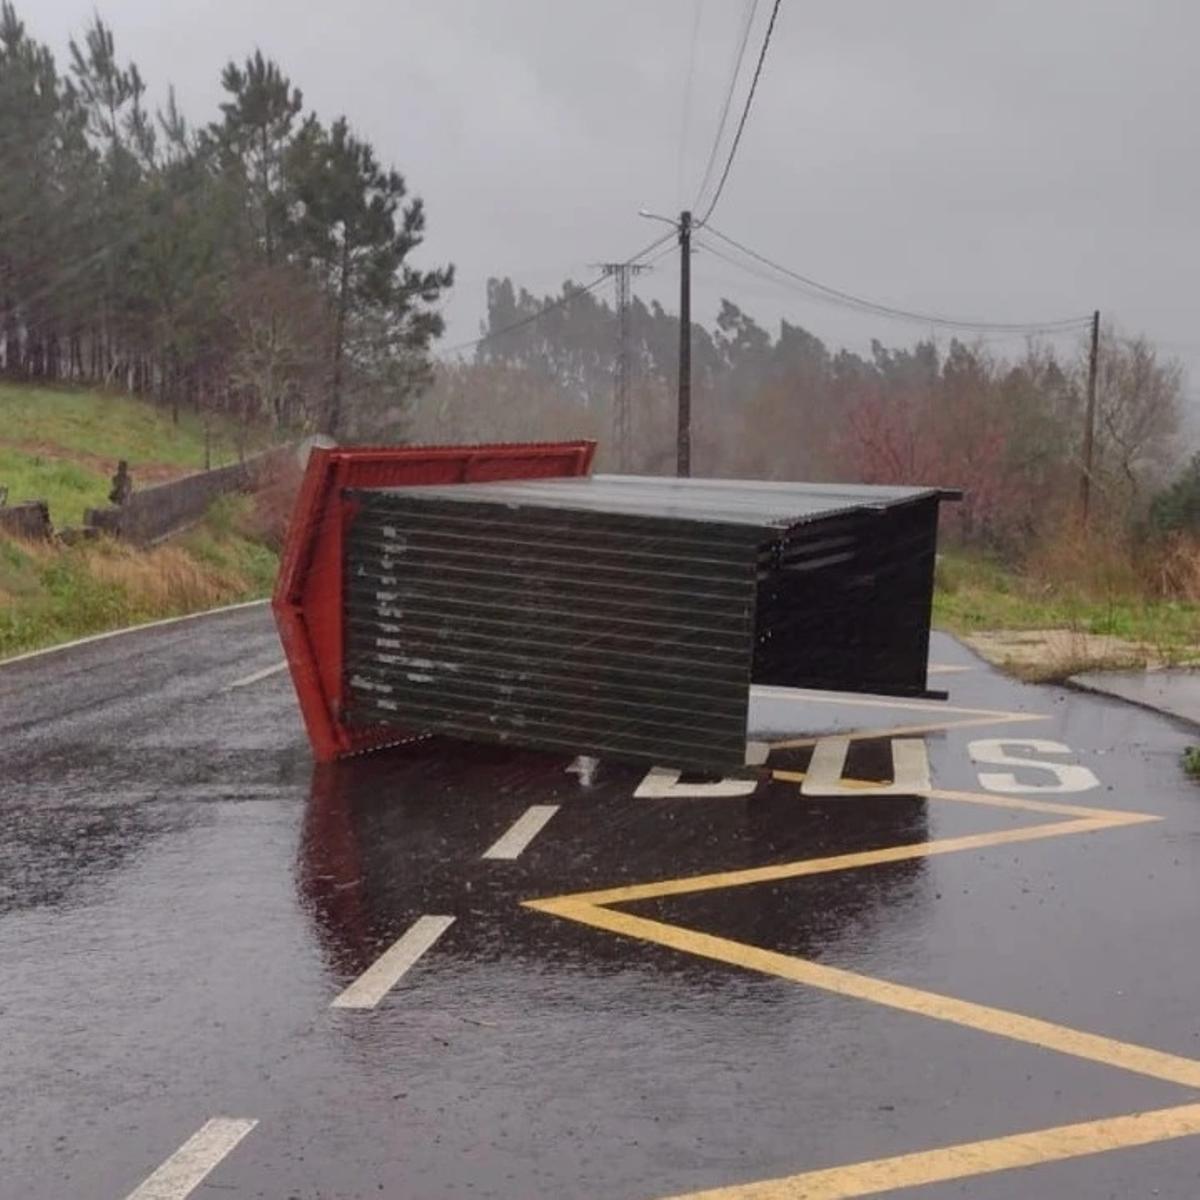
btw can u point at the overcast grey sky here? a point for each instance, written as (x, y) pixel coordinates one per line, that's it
(1010, 161)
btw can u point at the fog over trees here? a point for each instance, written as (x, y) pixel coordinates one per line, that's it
(780, 404)
(258, 263)
(265, 263)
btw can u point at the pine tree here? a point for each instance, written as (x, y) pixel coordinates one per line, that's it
(111, 99)
(41, 145)
(254, 138)
(259, 263)
(355, 229)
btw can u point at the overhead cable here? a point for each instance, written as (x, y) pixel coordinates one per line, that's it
(718, 136)
(685, 123)
(849, 300)
(737, 137)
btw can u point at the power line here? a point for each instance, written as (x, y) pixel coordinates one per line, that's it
(848, 300)
(737, 137)
(819, 293)
(660, 255)
(748, 21)
(687, 95)
(562, 300)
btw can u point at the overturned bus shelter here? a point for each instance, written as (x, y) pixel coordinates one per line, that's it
(621, 616)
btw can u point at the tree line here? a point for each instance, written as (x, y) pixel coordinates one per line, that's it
(261, 264)
(257, 264)
(782, 404)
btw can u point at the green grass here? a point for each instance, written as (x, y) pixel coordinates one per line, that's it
(112, 426)
(974, 594)
(52, 594)
(1191, 761)
(220, 542)
(66, 486)
(48, 596)
(62, 445)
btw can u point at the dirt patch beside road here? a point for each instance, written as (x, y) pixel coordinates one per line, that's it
(1044, 655)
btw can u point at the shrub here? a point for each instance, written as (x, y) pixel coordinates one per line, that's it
(1177, 507)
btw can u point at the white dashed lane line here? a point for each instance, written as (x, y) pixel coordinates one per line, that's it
(191, 1164)
(387, 970)
(524, 829)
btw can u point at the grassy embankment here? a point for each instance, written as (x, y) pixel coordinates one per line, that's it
(1105, 613)
(63, 446)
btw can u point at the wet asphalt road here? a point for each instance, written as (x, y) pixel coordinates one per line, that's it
(182, 896)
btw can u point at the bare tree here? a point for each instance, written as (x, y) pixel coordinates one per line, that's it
(281, 327)
(1138, 416)
(493, 403)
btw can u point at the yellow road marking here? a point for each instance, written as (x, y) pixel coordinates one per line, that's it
(1084, 820)
(952, 1162)
(1141, 1060)
(969, 1159)
(837, 862)
(1114, 816)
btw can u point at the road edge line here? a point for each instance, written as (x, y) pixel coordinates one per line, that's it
(112, 633)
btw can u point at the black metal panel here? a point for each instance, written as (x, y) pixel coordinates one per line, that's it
(627, 616)
(563, 628)
(844, 603)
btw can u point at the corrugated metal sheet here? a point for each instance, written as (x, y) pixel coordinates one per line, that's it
(626, 616)
(575, 630)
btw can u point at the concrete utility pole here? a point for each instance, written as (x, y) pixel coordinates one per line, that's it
(622, 421)
(1089, 427)
(683, 456)
(683, 439)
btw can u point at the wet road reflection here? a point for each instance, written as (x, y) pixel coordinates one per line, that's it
(71, 817)
(182, 898)
(393, 835)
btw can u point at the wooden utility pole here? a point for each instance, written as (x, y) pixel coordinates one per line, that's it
(1089, 427)
(683, 460)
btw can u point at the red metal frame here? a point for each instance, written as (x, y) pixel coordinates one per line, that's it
(308, 591)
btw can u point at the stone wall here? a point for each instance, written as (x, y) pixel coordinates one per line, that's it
(29, 519)
(153, 513)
